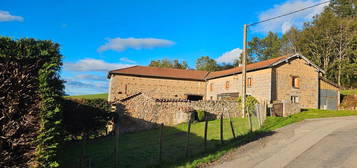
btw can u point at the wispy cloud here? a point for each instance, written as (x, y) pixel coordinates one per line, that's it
(229, 56)
(91, 77)
(121, 44)
(5, 16)
(124, 59)
(285, 23)
(90, 64)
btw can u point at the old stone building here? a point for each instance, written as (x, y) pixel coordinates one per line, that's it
(291, 78)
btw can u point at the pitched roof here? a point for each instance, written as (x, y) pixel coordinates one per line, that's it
(162, 72)
(203, 75)
(250, 67)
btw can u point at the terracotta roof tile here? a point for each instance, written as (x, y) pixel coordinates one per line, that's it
(162, 72)
(191, 74)
(250, 67)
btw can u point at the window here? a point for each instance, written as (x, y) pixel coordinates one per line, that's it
(294, 99)
(226, 85)
(211, 87)
(295, 82)
(249, 82)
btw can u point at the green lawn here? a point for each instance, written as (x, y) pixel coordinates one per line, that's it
(91, 96)
(349, 92)
(141, 149)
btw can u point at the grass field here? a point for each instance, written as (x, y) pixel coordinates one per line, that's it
(91, 96)
(349, 92)
(141, 149)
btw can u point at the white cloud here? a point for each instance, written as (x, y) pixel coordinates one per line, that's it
(121, 44)
(91, 77)
(283, 24)
(229, 56)
(89, 64)
(5, 16)
(124, 59)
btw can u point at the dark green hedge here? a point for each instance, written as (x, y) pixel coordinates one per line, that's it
(86, 117)
(30, 111)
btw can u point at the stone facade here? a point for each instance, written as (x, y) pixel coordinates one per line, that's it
(260, 86)
(121, 86)
(140, 112)
(271, 82)
(283, 90)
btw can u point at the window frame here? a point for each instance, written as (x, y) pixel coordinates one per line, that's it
(295, 82)
(249, 82)
(294, 99)
(227, 85)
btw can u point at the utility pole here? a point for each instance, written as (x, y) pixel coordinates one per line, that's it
(244, 71)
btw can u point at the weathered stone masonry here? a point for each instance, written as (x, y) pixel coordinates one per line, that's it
(140, 112)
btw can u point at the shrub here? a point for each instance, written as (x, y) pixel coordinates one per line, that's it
(30, 114)
(86, 117)
(200, 115)
(250, 104)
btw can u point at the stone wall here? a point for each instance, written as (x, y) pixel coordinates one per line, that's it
(309, 83)
(121, 86)
(285, 109)
(260, 88)
(141, 112)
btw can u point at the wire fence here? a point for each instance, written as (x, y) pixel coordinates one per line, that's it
(165, 145)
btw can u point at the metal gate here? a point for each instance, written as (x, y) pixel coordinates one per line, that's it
(328, 99)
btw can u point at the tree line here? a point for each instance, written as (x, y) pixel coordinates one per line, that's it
(329, 40)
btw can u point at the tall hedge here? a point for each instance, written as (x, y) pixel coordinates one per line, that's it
(30, 113)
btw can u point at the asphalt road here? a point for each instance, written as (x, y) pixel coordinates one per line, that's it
(328, 142)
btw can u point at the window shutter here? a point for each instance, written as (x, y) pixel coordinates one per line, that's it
(297, 82)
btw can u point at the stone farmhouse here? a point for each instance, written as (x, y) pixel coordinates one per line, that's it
(290, 78)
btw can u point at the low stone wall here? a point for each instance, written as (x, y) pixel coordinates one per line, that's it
(285, 109)
(141, 112)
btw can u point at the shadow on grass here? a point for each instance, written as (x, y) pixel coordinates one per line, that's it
(215, 153)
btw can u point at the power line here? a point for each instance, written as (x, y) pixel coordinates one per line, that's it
(288, 13)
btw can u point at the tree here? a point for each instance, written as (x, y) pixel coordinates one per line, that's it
(205, 63)
(344, 8)
(289, 42)
(265, 48)
(166, 63)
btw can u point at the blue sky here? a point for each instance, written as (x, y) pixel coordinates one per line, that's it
(98, 36)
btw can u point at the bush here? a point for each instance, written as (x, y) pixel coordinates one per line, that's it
(86, 117)
(250, 104)
(200, 115)
(29, 102)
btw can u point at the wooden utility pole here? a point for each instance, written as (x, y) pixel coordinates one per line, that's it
(244, 71)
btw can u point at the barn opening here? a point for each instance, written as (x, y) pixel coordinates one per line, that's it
(194, 97)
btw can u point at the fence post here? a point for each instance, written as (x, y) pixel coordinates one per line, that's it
(160, 141)
(250, 122)
(116, 142)
(258, 112)
(221, 126)
(231, 123)
(188, 135)
(205, 133)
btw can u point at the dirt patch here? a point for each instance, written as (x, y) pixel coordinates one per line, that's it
(349, 102)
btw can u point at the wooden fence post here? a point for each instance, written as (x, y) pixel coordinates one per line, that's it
(257, 109)
(205, 134)
(160, 141)
(116, 142)
(231, 123)
(250, 122)
(188, 135)
(221, 126)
